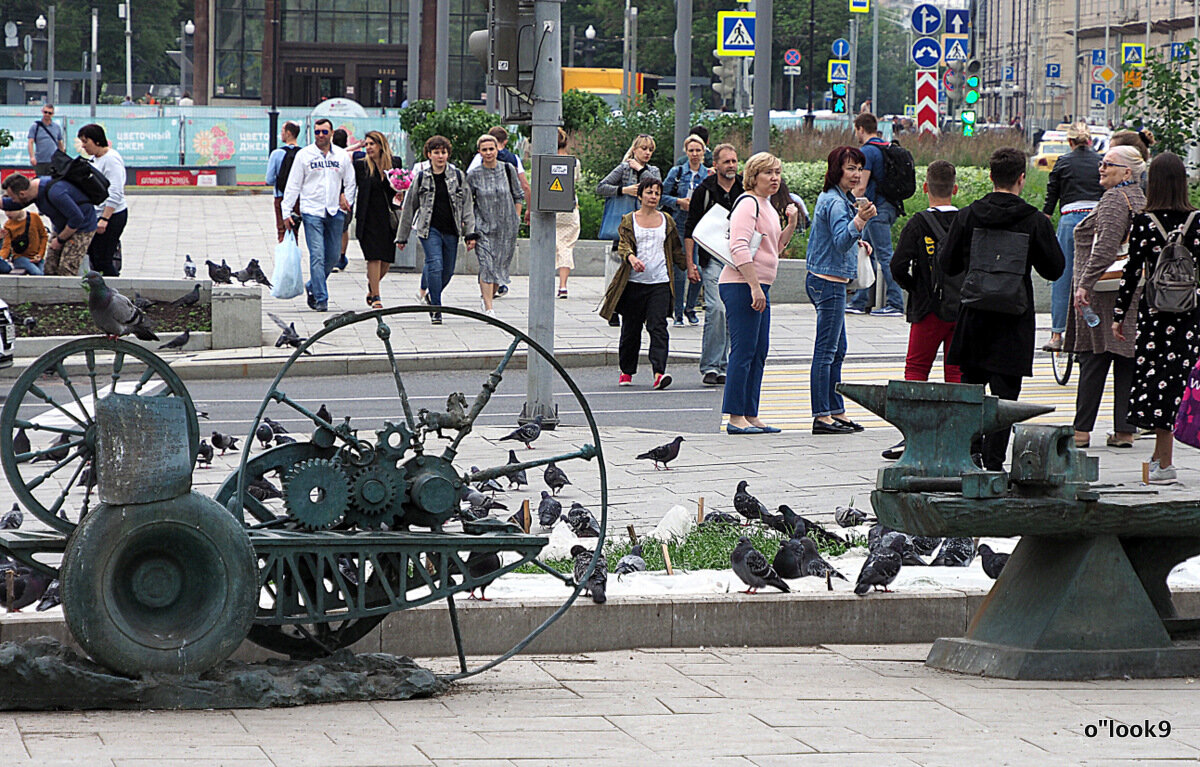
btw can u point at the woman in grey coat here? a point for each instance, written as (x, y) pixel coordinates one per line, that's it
(1098, 244)
(498, 198)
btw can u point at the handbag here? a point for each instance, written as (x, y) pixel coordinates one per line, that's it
(865, 276)
(1187, 420)
(615, 209)
(712, 232)
(287, 279)
(1111, 279)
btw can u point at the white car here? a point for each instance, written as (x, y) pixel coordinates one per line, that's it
(8, 335)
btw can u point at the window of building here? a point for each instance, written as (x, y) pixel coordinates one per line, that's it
(237, 43)
(354, 22)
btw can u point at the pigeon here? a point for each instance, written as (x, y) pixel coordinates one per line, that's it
(811, 562)
(581, 522)
(52, 597)
(13, 518)
(56, 454)
(714, 518)
(598, 582)
(348, 569)
(224, 442)
(179, 341)
(481, 565)
(798, 526)
(29, 323)
(556, 478)
(487, 486)
(262, 489)
(86, 478)
(747, 505)
(264, 434)
(752, 567)
(956, 552)
(324, 414)
(283, 439)
(875, 536)
(516, 478)
(787, 559)
(631, 562)
(848, 516)
(481, 505)
(881, 567)
(275, 425)
(993, 562)
(252, 272)
(289, 336)
(925, 545)
(188, 299)
(776, 522)
(28, 587)
(140, 302)
(189, 267)
(663, 454)
(526, 433)
(549, 510)
(205, 454)
(219, 273)
(21, 443)
(908, 551)
(113, 313)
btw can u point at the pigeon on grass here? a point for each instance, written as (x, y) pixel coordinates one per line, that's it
(631, 562)
(811, 562)
(797, 526)
(747, 505)
(753, 568)
(113, 313)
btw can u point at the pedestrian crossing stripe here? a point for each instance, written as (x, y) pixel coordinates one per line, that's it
(556, 186)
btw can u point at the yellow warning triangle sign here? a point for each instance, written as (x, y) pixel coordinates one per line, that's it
(556, 186)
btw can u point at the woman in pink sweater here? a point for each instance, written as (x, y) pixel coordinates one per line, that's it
(745, 285)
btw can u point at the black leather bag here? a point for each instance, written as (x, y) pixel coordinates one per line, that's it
(995, 281)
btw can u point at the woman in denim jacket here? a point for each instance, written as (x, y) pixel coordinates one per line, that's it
(832, 261)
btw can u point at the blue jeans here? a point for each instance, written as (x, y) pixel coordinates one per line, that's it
(829, 346)
(692, 289)
(1060, 291)
(879, 234)
(714, 348)
(749, 337)
(20, 262)
(441, 253)
(323, 235)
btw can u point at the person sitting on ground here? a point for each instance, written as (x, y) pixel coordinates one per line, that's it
(24, 242)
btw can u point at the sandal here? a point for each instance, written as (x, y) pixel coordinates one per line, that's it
(376, 303)
(1115, 441)
(1082, 441)
(371, 299)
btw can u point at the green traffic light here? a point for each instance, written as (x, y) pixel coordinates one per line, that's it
(973, 81)
(968, 117)
(972, 97)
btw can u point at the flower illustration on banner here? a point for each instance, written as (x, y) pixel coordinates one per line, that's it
(213, 145)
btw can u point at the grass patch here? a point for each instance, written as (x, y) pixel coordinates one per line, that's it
(73, 319)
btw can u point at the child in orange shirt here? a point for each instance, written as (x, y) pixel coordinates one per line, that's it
(24, 242)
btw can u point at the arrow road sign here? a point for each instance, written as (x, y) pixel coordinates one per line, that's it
(926, 52)
(926, 19)
(1099, 57)
(1053, 71)
(1133, 54)
(955, 47)
(790, 71)
(841, 47)
(958, 21)
(839, 71)
(927, 101)
(735, 33)
(1107, 96)
(791, 57)
(1179, 51)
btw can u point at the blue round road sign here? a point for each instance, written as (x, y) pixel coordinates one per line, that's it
(841, 47)
(1107, 96)
(926, 53)
(926, 19)
(791, 57)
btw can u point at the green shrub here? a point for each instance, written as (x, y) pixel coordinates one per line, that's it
(591, 207)
(462, 123)
(581, 110)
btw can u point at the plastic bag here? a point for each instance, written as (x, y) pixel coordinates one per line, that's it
(287, 277)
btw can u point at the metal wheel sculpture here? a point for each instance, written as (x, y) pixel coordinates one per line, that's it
(50, 416)
(369, 520)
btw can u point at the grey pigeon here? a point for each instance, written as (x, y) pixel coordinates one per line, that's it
(848, 516)
(179, 341)
(776, 522)
(13, 518)
(288, 336)
(515, 478)
(908, 551)
(798, 526)
(480, 504)
(189, 267)
(549, 510)
(275, 425)
(205, 454)
(663, 454)
(747, 505)
(52, 597)
(631, 562)
(58, 453)
(811, 562)
(956, 552)
(787, 559)
(753, 568)
(219, 273)
(191, 298)
(28, 587)
(925, 545)
(881, 567)
(598, 582)
(264, 434)
(581, 522)
(262, 489)
(714, 518)
(140, 302)
(113, 313)
(875, 536)
(556, 478)
(224, 442)
(480, 565)
(993, 562)
(526, 433)
(489, 486)
(21, 442)
(283, 439)
(324, 414)
(252, 272)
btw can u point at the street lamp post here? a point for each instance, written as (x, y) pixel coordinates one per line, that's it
(186, 30)
(48, 25)
(809, 118)
(126, 12)
(94, 61)
(589, 48)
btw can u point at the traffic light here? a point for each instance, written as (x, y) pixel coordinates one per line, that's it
(968, 122)
(971, 83)
(507, 49)
(727, 72)
(839, 97)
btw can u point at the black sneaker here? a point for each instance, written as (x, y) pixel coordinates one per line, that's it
(894, 452)
(710, 379)
(501, 291)
(692, 318)
(436, 318)
(721, 379)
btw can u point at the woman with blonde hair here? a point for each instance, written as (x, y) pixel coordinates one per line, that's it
(496, 189)
(377, 213)
(619, 191)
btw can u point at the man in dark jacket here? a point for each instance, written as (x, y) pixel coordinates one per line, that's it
(1074, 184)
(69, 210)
(993, 348)
(721, 187)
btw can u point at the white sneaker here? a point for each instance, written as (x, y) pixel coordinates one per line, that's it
(490, 312)
(1161, 474)
(482, 306)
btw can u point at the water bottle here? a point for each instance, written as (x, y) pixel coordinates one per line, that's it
(1090, 317)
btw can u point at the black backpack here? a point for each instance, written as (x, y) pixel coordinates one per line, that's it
(899, 180)
(947, 289)
(1171, 286)
(995, 281)
(285, 167)
(81, 174)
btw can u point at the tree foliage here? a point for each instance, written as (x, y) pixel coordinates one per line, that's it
(581, 110)
(1166, 102)
(460, 122)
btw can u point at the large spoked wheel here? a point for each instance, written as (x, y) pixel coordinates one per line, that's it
(1061, 363)
(52, 404)
(392, 473)
(159, 587)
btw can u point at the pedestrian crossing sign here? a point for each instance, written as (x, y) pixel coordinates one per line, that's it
(1133, 54)
(735, 33)
(839, 70)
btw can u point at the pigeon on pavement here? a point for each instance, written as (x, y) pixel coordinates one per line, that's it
(179, 341)
(13, 518)
(881, 567)
(488, 486)
(51, 598)
(787, 559)
(811, 562)
(993, 562)
(549, 510)
(956, 552)
(908, 551)
(264, 434)
(284, 439)
(276, 427)
(219, 273)
(262, 489)
(189, 267)
(480, 565)
(21, 442)
(288, 336)
(848, 516)
(556, 478)
(190, 298)
(204, 455)
(481, 505)
(57, 454)
(515, 478)
(598, 582)
(252, 272)
(747, 505)
(526, 433)
(113, 313)
(581, 522)
(631, 562)
(224, 442)
(753, 568)
(663, 454)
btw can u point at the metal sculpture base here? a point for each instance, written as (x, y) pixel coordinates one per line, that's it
(43, 675)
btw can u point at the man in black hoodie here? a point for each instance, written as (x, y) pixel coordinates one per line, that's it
(995, 348)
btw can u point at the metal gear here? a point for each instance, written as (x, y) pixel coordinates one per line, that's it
(393, 433)
(316, 510)
(373, 489)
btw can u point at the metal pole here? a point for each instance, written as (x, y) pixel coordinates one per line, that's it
(633, 62)
(52, 96)
(94, 62)
(763, 31)
(809, 118)
(875, 57)
(625, 90)
(851, 110)
(413, 75)
(441, 79)
(128, 48)
(273, 114)
(1075, 67)
(547, 115)
(683, 70)
(182, 55)
(571, 48)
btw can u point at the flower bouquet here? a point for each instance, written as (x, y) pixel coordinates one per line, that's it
(401, 180)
